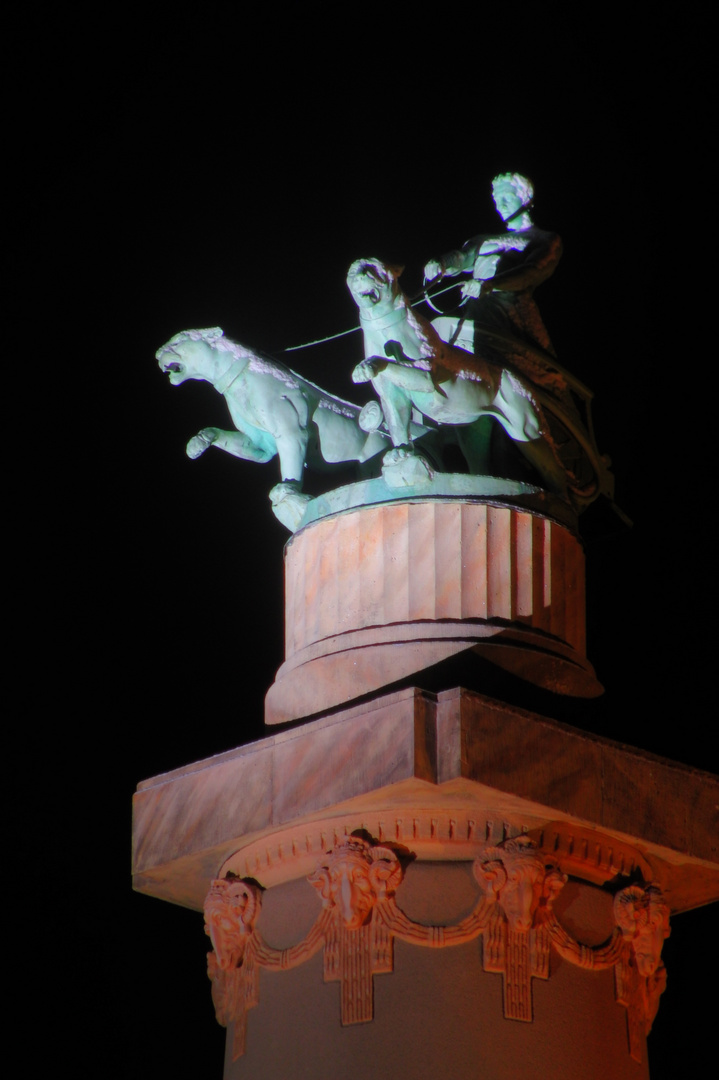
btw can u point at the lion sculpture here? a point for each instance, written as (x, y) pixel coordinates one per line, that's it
(275, 411)
(410, 366)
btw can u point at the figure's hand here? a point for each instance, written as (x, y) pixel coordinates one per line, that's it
(472, 289)
(368, 369)
(399, 454)
(200, 442)
(433, 270)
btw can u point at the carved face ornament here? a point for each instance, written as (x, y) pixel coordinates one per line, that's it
(518, 890)
(230, 911)
(354, 877)
(648, 944)
(515, 876)
(643, 917)
(352, 891)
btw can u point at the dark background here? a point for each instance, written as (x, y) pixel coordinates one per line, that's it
(225, 170)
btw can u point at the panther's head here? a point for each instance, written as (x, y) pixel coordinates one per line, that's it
(182, 356)
(373, 284)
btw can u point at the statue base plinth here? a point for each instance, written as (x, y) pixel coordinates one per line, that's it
(378, 594)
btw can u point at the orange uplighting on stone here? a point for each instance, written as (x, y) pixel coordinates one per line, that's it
(381, 593)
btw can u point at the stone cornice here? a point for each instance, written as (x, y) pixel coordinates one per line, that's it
(444, 756)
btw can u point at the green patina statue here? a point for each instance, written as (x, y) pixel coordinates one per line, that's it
(410, 365)
(492, 360)
(501, 320)
(275, 411)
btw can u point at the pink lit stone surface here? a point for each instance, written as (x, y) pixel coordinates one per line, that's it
(450, 778)
(407, 562)
(455, 757)
(439, 1013)
(381, 593)
(514, 913)
(455, 780)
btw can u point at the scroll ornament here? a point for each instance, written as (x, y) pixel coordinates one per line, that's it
(357, 881)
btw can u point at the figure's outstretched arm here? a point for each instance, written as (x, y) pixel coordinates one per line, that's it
(455, 262)
(234, 442)
(451, 264)
(539, 264)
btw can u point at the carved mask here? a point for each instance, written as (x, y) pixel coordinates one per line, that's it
(643, 916)
(353, 878)
(515, 876)
(230, 911)
(351, 890)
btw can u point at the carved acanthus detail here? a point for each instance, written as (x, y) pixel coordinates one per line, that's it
(642, 915)
(521, 887)
(231, 908)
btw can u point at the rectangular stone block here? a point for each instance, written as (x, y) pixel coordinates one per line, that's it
(411, 753)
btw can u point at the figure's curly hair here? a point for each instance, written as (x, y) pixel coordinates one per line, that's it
(522, 185)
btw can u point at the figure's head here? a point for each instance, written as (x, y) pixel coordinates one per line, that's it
(512, 194)
(372, 283)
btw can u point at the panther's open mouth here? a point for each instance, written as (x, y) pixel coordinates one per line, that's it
(173, 366)
(372, 295)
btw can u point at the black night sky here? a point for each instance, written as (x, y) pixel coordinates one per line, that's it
(225, 170)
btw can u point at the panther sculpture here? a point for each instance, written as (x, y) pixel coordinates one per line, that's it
(275, 411)
(410, 366)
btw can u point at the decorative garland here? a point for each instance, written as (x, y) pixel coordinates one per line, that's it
(360, 919)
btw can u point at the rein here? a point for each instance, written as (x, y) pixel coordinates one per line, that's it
(420, 297)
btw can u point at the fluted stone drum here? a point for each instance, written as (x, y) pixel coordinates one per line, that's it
(377, 594)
